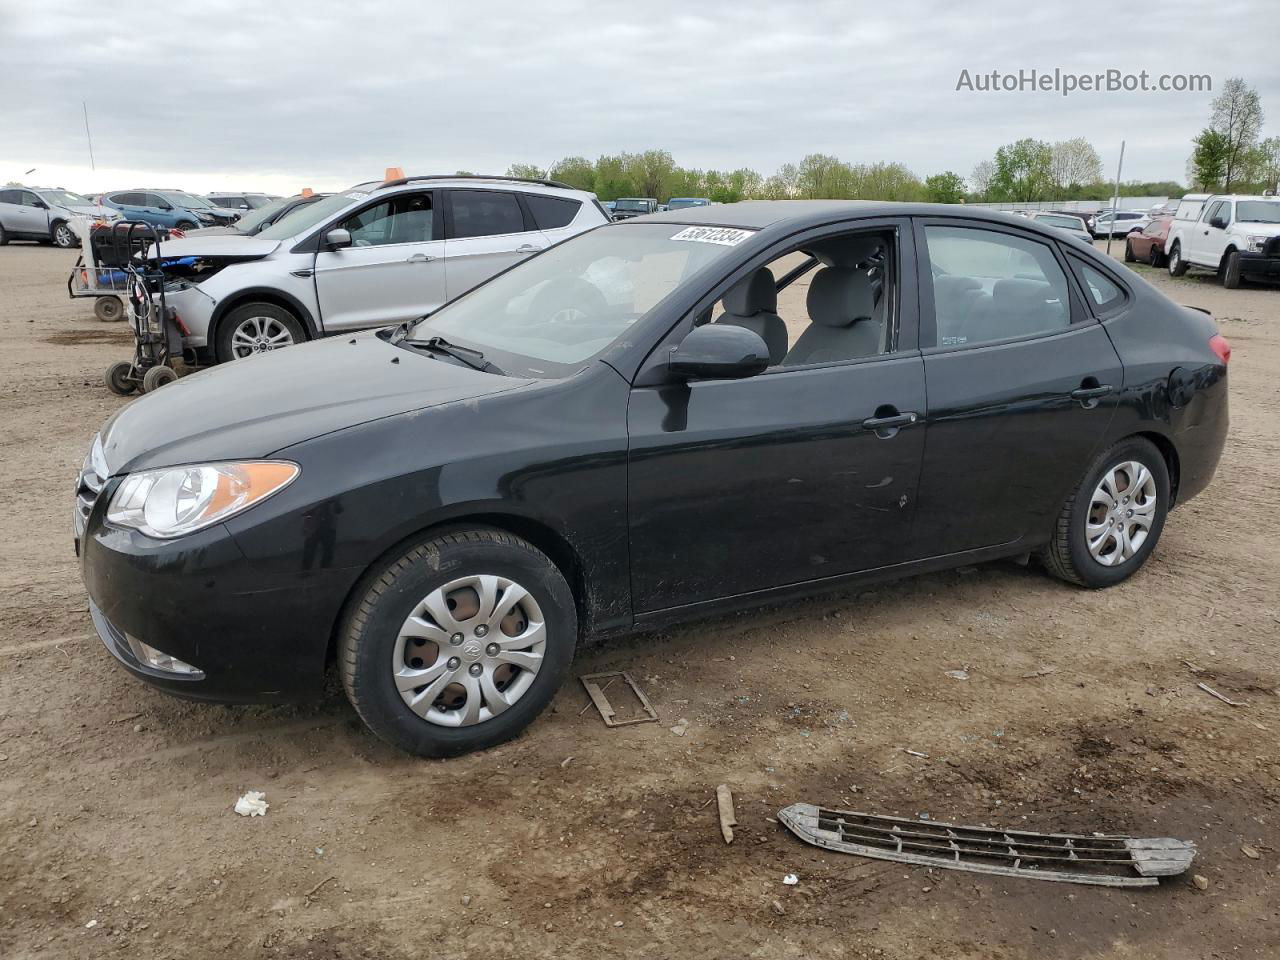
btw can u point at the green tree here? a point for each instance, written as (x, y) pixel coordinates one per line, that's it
(1022, 171)
(525, 171)
(946, 187)
(651, 171)
(577, 172)
(820, 176)
(1208, 165)
(612, 179)
(1237, 116)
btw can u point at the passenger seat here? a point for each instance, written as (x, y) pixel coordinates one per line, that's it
(842, 311)
(753, 303)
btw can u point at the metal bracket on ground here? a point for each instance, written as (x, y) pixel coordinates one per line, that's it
(591, 683)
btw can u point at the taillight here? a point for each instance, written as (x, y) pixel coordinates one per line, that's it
(1218, 344)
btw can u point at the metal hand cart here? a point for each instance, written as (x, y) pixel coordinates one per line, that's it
(91, 277)
(134, 249)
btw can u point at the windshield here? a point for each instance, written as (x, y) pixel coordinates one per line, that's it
(306, 217)
(249, 222)
(186, 200)
(66, 198)
(679, 203)
(1071, 223)
(631, 205)
(547, 316)
(257, 203)
(1258, 211)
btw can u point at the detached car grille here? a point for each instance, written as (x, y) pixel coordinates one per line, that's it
(93, 476)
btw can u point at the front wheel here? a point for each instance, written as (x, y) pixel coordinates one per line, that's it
(1177, 266)
(1112, 521)
(1231, 271)
(256, 328)
(1128, 252)
(458, 643)
(63, 237)
(1155, 258)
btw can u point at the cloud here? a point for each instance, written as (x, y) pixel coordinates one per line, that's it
(329, 93)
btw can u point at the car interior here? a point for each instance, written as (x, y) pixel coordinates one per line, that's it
(847, 307)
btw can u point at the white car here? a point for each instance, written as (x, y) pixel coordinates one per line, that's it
(1067, 223)
(1237, 237)
(372, 256)
(1118, 224)
(47, 214)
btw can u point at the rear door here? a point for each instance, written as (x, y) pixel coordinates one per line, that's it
(10, 210)
(393, 270)
(486, 231)
(1022, 385)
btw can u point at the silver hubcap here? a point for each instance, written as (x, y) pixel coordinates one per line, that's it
(1121, 513)
(469, 650)
(63, 236)
(260, 335)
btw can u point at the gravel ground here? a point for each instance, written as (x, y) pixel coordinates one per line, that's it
(1081, 713)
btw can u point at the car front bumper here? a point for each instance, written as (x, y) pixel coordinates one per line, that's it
(1259, 266)
(195, 309)
(254, 631)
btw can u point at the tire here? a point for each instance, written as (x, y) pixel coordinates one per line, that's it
(108, 309)
(4, 237)
(119, 380)
(1177, 266)
(1128, 252)
(1068, 555)
(184, 227)
(256, 328)
(372, 643)
(156, 377)
(1231, 271)
(1156, 257)
(63, 236)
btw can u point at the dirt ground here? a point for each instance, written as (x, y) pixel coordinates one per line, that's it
(1081, 713)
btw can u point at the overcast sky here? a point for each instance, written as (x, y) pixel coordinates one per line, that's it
(275, 94)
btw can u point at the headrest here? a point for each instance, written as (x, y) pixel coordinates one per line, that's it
(1022, 291)
(847, 251)
(950, 286)
(840, 296)
(757, 293)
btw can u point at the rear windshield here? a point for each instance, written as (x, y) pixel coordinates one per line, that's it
(631, 205)
(1071, 223)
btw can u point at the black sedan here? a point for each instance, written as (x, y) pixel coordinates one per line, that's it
(625, 431)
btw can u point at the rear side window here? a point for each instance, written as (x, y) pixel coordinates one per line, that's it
(8, 196)
(991, 286)
(1103, 291)
(551, 212)
(485, 213)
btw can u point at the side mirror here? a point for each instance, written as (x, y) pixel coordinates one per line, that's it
(719, 351)
(1218, 223)
(244, 206)
(338, 239)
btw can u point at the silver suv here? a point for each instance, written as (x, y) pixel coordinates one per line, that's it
(46, 214)
(371, 256)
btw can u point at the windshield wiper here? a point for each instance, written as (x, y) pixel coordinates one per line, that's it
(475, 361)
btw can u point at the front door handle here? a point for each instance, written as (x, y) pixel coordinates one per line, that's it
(420, 258)
(526, 248)
(1088, 396)
(889, 423)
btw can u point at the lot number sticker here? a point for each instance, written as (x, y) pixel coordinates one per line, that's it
(725, 236)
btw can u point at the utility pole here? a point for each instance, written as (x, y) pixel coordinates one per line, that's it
(85, 107)
(1115, 199)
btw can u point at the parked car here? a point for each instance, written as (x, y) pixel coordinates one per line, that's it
(238, 201)
(1117, 224)
(255, 221)
(1147, 244)
(1068, 223)
(46, 214)
(626, 207)
(1237, 237)
(379, 253)
(169, 208)
(575, 450)
(681, 203)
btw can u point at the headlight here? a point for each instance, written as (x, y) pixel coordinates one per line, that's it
(176, 501)
(206, 217)
(1256, 243)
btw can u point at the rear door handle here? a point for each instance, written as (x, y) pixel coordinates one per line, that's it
(420, 258)
(1089, 396)
(526, 248)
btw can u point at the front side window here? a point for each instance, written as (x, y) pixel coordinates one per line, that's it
(841, 307)
(990, 286)
(548, 315)
(405, 218)
(485, 213)
(1211, 211)
(29, 199)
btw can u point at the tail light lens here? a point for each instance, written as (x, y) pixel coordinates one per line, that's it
(1219, 345)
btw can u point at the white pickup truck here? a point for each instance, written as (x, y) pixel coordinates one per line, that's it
(1237, 237)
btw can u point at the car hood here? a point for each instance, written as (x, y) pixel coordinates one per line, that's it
(89, 210)
(214, 244)
(1257, 228)
(210, 232)
(256, 406)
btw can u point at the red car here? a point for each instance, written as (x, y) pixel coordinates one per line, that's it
(1147, 244)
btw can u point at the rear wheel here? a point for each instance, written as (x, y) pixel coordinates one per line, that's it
(1231, 271)
(459, 643)
(4, 237)
(257, 328)
(63, 237)
(1177, 266)
(108, 309)
(1112, 521)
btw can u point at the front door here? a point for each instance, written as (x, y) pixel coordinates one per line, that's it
(486, 232)
(393, 270)
(805, 472)
(32, 215)
(1022, 387)
(1209, 241)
